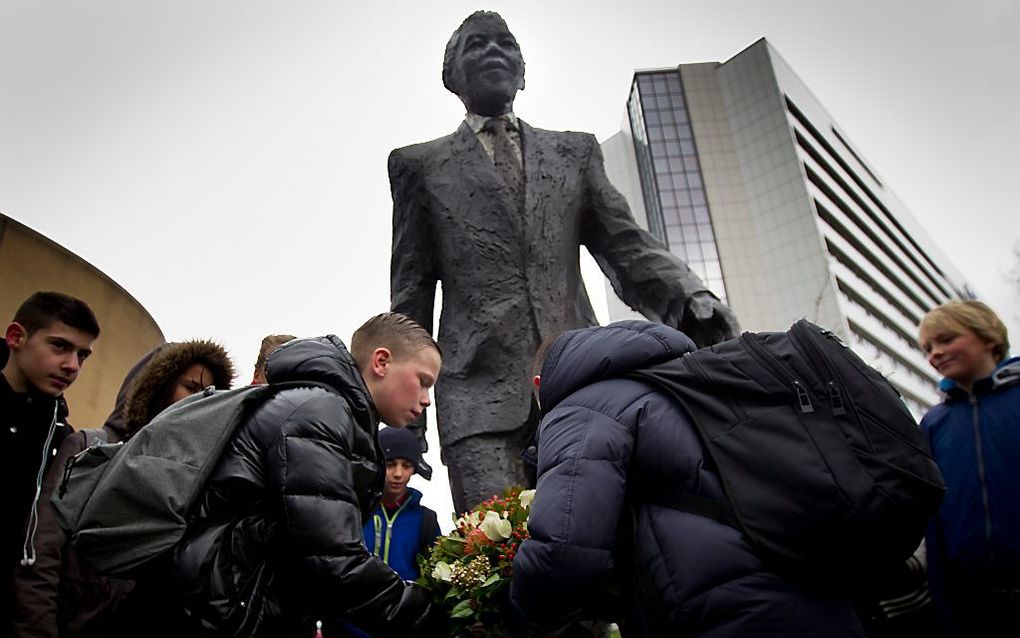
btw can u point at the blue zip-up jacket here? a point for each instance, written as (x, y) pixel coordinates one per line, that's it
(396, 537)
(974, 541)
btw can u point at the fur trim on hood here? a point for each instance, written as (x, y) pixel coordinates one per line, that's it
(147, 395)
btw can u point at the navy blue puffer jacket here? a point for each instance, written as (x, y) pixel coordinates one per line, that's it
(610, 448)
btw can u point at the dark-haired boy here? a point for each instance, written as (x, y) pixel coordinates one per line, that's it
(43, 350)
(400, 527)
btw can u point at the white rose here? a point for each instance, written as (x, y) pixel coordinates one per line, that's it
(470, 520)
(526, 497)
(496, 528)
(442, 572)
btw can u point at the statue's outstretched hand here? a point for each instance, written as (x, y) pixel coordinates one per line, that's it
(706, 320)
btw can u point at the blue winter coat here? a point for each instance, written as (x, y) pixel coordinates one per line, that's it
(610, 448)
(974, 541)
(397, 538)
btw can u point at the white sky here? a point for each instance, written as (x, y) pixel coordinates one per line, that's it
(225, 161)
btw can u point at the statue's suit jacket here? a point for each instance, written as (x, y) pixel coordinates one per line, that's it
(512, 278)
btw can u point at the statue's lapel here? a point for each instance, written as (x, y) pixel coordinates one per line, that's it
(469, 175)
(534, 143)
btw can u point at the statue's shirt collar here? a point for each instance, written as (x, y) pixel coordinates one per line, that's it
(476, 122)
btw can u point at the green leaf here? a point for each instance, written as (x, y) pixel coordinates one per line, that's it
(491, 579)
(462, 610)
(453, 593)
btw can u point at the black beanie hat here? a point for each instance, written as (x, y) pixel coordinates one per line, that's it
(399, 443)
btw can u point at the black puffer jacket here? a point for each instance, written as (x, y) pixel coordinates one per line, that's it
(277, 542)
(610, 448)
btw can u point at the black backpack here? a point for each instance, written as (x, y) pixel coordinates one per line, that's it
(825, 471)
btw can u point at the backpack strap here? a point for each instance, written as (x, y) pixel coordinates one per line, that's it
(94, 436)
(427, 530)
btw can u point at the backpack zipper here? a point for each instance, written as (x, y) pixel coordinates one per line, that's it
(769, 361)
(807, 342)
(699, 370)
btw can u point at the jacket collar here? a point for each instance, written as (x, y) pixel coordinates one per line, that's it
(1006, 374)
(32, 399)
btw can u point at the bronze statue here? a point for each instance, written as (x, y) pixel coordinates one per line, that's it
(497, 211)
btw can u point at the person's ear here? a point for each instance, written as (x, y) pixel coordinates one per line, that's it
(15, 336)
(381, 358)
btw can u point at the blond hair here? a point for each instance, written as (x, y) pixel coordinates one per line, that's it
(269, 344)
(960, 316)
(391, 330)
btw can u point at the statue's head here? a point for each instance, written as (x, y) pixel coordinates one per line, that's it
(483, 64)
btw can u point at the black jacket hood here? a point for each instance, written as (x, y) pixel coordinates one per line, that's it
(581, 357)
(323, 360)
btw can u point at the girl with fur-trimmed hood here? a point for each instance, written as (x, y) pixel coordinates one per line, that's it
(58, 596)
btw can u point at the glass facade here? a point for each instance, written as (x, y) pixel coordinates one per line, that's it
(671, 178)
(807, 227)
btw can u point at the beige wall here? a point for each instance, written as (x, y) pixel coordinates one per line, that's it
(30, 262)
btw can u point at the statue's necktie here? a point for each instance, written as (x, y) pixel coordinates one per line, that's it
(506, 159)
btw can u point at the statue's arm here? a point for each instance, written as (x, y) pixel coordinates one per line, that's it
(413, 272)
(643, 272)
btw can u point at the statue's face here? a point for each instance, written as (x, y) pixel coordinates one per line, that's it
(491, 67)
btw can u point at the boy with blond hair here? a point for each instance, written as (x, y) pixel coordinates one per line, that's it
(269, 344)
(973, 543)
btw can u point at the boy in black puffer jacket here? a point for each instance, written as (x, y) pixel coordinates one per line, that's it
(611, 451)
(276, 541)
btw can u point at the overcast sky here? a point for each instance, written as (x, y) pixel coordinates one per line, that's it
(225, 161)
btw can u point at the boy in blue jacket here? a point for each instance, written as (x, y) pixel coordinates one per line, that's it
(973, 542)
(400, 527)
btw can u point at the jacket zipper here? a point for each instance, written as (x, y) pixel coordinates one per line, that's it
(382, 546)
(765, 358)
(981, 474)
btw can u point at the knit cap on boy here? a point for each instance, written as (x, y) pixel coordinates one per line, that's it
(398, 443)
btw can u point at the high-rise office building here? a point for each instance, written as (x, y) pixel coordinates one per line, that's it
(744, 175)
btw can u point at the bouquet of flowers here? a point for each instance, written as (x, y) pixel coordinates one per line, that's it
(468, 570)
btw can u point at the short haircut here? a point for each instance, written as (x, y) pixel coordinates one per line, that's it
(451, 79)
(270, 343)
(391, 330)
(540, 354)
(970, 316)
(43, 309)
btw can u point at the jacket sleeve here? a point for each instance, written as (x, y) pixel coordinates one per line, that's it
(36, 586)
(644, 273)
(413, 271)
(583, 463)
(309, 467)
(413, 274)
